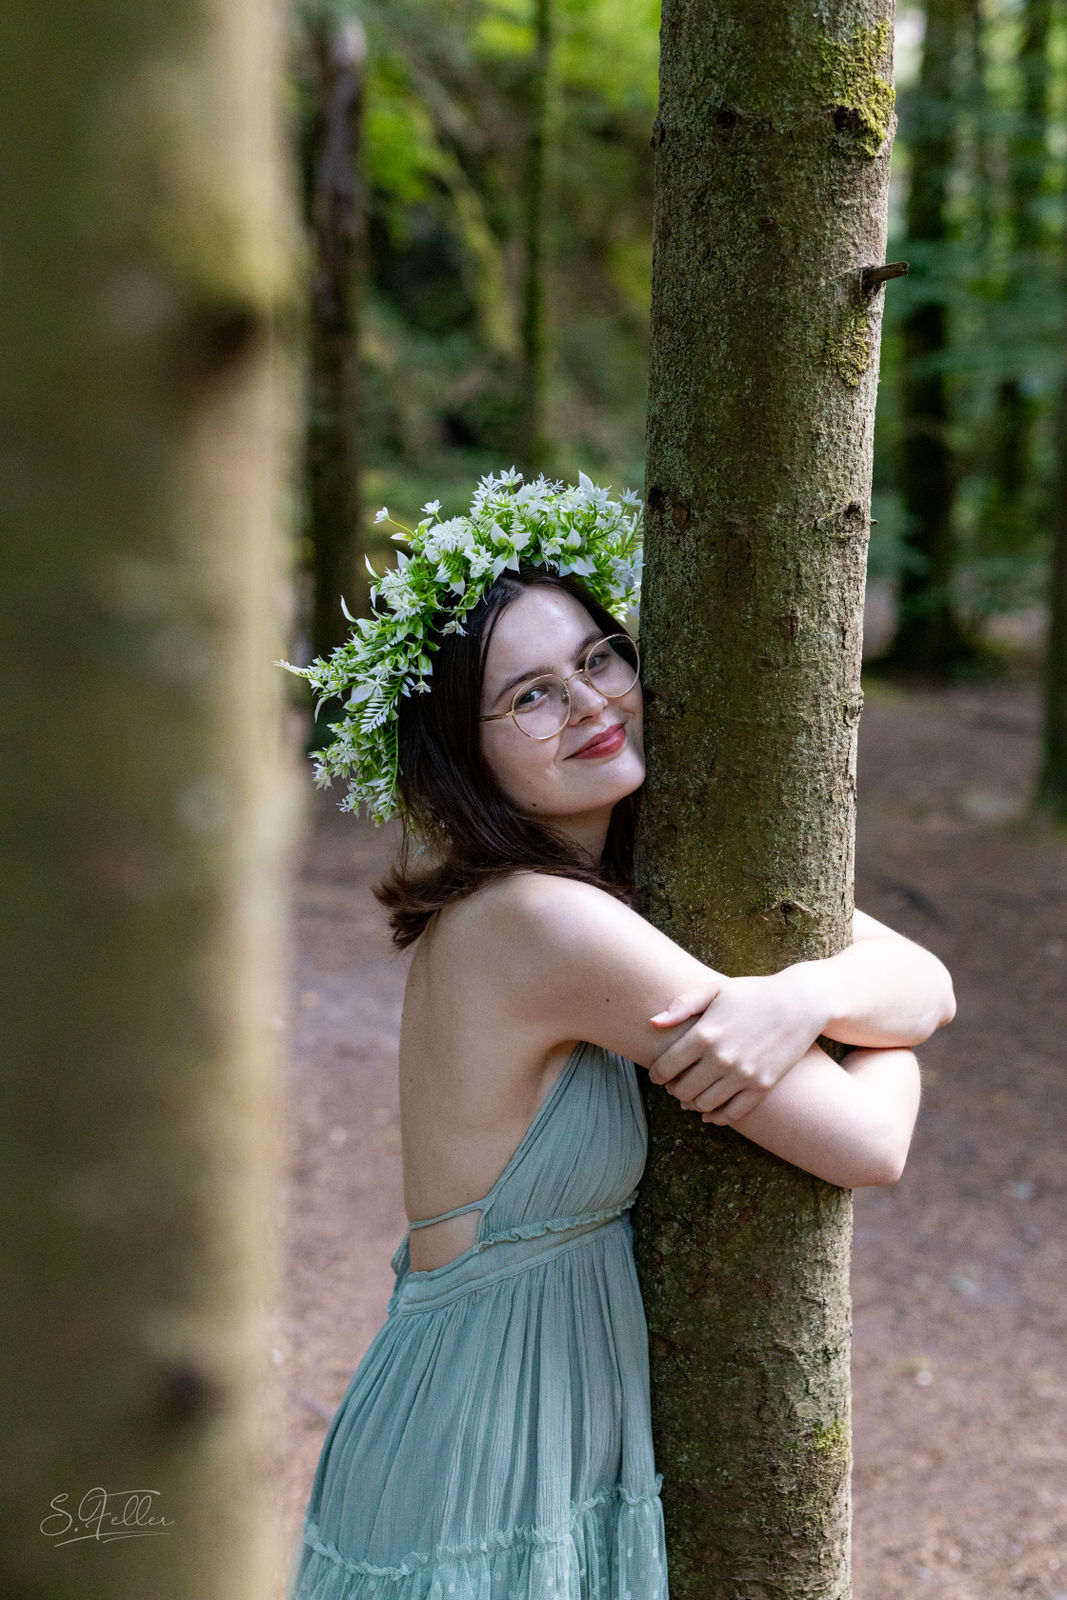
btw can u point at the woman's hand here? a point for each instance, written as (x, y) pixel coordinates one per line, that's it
(750, 1031)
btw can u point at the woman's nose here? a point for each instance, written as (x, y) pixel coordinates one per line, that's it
(578, 688)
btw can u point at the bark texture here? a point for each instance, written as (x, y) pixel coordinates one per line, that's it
(143, 817)
(772, 146)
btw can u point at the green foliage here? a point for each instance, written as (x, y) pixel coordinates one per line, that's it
(448, 567)
(403, 155)
(447, 101)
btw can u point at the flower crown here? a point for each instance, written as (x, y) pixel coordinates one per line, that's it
(450, 567)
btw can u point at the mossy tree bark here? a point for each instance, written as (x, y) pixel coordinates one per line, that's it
(532, 445)
(143, 825)
(929, 638)
(772, 148)
(1009, 520)
(336, 211)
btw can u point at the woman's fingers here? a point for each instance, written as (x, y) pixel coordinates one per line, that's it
(702, 1096)
(689, 1004)
(734, 1109)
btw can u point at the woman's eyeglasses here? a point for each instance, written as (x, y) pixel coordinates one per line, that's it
(542, 707)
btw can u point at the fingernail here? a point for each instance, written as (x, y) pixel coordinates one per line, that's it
(659, 1016)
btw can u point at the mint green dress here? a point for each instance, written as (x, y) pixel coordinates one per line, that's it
(495, 1441)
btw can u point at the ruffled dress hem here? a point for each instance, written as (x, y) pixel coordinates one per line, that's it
(611, 1548)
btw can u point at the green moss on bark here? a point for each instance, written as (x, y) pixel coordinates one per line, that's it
(848, 346)
(860, 98)
(762, 391)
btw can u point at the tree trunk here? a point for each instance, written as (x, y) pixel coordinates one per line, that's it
(143, 823)
(981, 186)
(337, 50)
(1009, 514)
(929, 637)
(532, 444)
(772, 149)
(1052, 777)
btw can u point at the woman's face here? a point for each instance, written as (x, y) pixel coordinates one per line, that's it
(547, 630)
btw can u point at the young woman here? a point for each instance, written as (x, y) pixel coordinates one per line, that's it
(495, 1440)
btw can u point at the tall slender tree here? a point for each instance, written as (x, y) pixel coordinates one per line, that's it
(929, 638)
(1051, 794)
(532, 443)
(143, 812)
(1052, 780)
(335, 50)
(977, 98)
(1010, 501)
(772, 148)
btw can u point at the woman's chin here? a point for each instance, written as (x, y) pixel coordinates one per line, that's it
(626, 781)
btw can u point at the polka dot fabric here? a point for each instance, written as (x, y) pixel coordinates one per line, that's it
(495, 1441)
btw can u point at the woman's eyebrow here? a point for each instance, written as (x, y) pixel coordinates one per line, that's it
(539, 672)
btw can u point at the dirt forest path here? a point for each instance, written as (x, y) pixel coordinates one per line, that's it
(959, 1280)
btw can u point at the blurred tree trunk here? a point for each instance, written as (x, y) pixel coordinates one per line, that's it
(336, 52)
(1008, 514)
(772, 149)
(1052, 777)
(532, 445)
(929, 637)
(146, 250)
(982, 195)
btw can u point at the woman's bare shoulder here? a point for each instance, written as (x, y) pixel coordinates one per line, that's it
(547, 908)
(524, 891)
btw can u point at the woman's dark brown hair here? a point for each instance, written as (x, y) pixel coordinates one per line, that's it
(471, 831)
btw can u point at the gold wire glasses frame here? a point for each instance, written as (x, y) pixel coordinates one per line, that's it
(627, 655)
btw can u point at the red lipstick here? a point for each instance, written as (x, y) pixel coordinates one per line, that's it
(605, 744)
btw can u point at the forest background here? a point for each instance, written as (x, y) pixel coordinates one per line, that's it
(498, 279)
(485, 246)
(475, 282)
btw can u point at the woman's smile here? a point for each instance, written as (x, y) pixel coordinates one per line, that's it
(604, 744)
(574, 778)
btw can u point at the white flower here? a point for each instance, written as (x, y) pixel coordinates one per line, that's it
(385, 659)
(480, 562)
(381, 514)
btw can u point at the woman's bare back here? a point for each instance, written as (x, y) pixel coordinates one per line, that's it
(471, 1081)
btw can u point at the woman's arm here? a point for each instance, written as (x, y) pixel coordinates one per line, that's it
(883, 990)
(850, 1124)
(571, 962)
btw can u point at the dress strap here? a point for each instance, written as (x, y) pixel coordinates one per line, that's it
(472, 1205)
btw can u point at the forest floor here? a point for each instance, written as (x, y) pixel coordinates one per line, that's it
(959, 1270)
